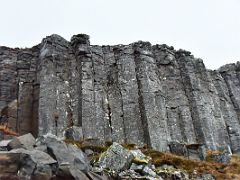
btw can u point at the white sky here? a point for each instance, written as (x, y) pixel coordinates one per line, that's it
(210, 29)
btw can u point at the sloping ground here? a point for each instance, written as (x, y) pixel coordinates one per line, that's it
(49, 157)
(168, 164)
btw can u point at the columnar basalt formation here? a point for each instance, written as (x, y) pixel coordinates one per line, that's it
(135, 93)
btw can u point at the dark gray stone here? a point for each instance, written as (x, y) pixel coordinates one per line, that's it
(42, 172)
(64, 153)
(66, 171)
(116, 158)
(14, 144)
(221, 157)
(4, 145)
(37, 156)
(27, 141)
(149, 172)
(74, 133)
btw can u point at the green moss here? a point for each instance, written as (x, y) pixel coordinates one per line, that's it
(220, 171)
(140, 161)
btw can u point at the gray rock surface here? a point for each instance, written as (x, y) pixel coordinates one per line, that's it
(74, 133)
(64, 153)
(37, 156)
(136, 93)
(192, 151)
(221, 157)
(116, 158)
(4, 145)
(26, 141)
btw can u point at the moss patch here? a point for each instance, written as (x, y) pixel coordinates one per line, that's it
(218, 170)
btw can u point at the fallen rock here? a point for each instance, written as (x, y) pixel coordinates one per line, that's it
(178, 148)
(26, 141)
(139, 157)
(37, 156)
(174, 174)
(191, 151)
(19, 165)
(4, 145)
(149, 172)
(220, 157)
(116, 158)
(14, 144)
(64, 153)
(42, 172)
(137, 168)
(75, 133)
(65, 171)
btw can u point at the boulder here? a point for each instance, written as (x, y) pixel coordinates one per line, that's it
(137, 168)
(37, 156)
(220, 157)
(42, 172)
(65, 171)
(116, 158)
(75, 133)
(24, 165)
(178, 148)
(191, 151)
(14, 144)
(4, 145)
(26, 141)
(149, 172)
(64, 153)
(139, 157)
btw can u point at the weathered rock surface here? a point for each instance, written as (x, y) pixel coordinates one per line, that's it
(66, 154)
(136, 93)
(57, 161)
(116, 158)
(74, 133)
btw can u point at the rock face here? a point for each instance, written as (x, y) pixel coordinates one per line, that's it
(135, 93)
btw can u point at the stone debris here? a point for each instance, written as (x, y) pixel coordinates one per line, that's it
(116, 158)
(60, 160)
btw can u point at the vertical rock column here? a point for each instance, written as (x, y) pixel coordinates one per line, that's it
(54, 110)
(87, 118)
(152, 101)
(133, 128)
(228, 112)
(179, 119)
(8, 88)
(114, 100)
(102, 109)
(231, 75)
(207, 119)
(26, 68)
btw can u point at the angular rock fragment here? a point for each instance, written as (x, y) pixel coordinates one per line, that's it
(26, 141)
(64, 153)
(4, 145)
(116, 158)
(74, 133)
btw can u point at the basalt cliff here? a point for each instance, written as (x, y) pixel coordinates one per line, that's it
(137, 93)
